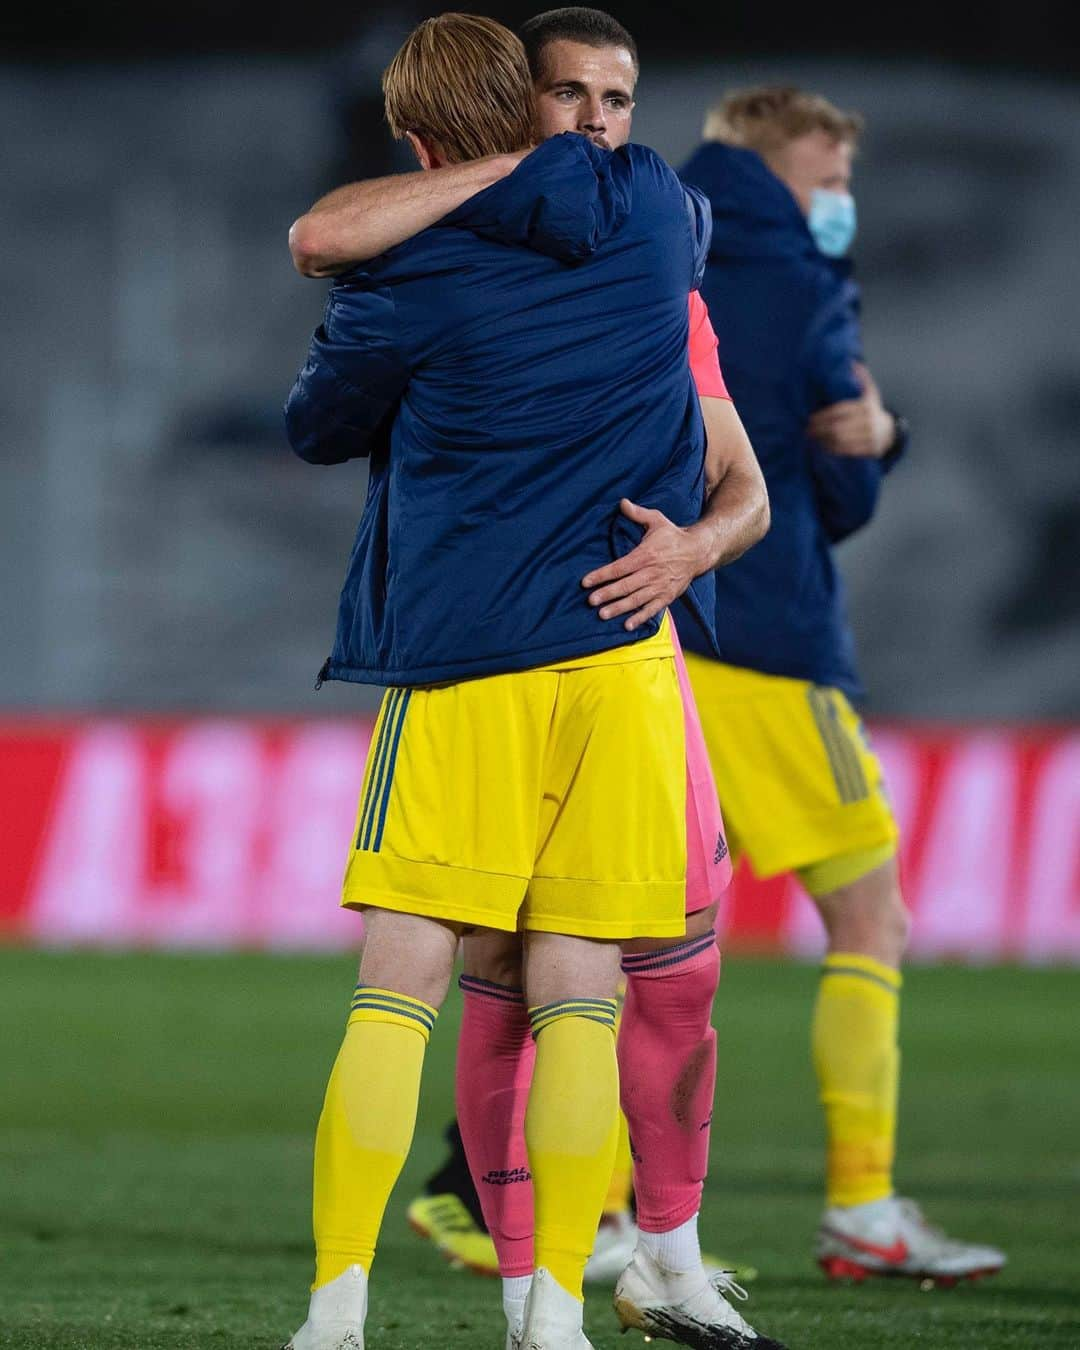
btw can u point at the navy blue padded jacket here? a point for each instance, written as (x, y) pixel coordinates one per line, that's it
(512, 373)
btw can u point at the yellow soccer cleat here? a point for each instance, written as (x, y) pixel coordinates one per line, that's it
(445, 1221)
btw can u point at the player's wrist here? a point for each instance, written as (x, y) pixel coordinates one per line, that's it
(706, 546)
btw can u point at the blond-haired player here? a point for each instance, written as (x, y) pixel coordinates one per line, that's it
(801, 787)
(528, 768)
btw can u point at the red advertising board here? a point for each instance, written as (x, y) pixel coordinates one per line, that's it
(219, 832)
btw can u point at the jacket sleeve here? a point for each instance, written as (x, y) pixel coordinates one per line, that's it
(846, 489)
(564, 199)
(342, 404)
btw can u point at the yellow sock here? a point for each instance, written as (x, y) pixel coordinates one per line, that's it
(571, 1128)
(857, 1061)
(366, 1127)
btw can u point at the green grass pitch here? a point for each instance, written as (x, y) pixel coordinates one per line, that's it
(156, 1116)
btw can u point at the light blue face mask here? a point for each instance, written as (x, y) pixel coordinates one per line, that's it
(832, 221)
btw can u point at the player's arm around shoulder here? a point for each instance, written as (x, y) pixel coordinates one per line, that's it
(357, 367)
(359, 221)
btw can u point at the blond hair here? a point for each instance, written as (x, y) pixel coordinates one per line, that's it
(768, 117)
(461, 81)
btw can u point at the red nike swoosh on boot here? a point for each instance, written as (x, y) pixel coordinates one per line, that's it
(893, 1255)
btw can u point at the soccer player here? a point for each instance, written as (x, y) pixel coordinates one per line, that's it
(528, 765)
(801, 787)
(584, 66)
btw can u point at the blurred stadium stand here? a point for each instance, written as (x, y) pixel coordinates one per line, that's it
(162, 549)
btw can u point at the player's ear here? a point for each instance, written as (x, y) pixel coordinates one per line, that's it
(428, 153)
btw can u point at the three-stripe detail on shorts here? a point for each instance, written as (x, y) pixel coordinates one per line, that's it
(843, 755)
(380, 780)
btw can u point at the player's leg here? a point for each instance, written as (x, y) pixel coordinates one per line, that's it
(610, 865)
(667, 1068)
(854, 1036)
(453, 774)
(571, 1124)
(866, 1228)
(803, 792)
(477, 1208)
(667, 1047)
(366, 1127)
(494, 1070)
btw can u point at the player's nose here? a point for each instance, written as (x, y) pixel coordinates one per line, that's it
(593, 117)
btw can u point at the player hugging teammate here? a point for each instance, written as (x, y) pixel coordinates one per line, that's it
(537, 786)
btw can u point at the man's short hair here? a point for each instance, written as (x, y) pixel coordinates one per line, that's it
(770, 116)
(576, 23)
(462, 81)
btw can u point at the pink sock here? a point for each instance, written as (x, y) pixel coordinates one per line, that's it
(495, 1059)
(667, 1068)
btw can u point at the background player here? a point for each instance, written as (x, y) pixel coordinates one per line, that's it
(801, 789)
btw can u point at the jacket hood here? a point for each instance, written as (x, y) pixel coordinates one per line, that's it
(564, 199)
(754, 213)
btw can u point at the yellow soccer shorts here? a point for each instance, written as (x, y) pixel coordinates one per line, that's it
(800, 788)
(550, 799)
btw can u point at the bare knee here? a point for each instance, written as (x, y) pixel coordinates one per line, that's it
(557, 966)
(408, 953)
(494, 956)
(868, 916)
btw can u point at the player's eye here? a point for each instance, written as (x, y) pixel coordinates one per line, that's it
(566, 95)
(617, 104)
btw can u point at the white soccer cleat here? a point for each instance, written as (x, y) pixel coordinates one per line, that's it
(552, 1317)
(616, 1239)
(891, 1237)
(336, 1315)
(684, 1306)
(616, 1242)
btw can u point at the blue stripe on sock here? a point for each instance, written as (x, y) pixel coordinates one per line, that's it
(383, 1004)
(366, 991)
(582, 1017)
(427, 1023)
(600, 1010)
(862, 975)
(670, 956)
(472, 984)
(374, 991)
(390, 772)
